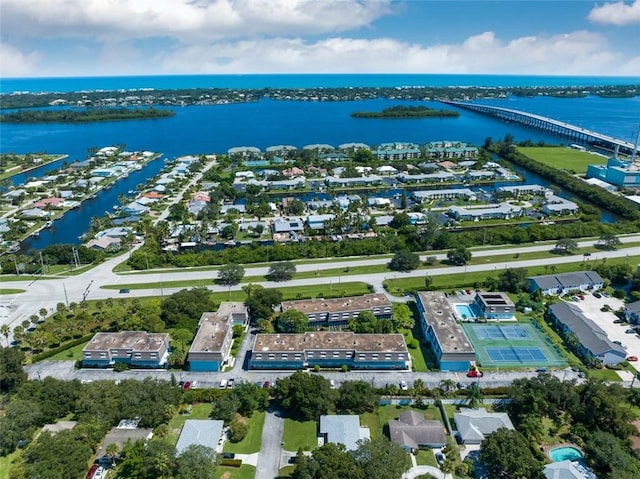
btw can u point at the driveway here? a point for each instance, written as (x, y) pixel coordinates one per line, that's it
(422, 470)
(270, 452)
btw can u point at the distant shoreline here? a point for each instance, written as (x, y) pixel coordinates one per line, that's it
(406, 112)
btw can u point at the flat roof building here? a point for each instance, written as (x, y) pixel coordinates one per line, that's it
(495, 306)
(211, 347)
(449, 343)
(138, 349)
(330, 350)
(339, 311)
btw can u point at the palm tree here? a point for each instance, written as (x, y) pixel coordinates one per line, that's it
(474, 395)
(447, 385)
(113, 451)
(5, 331)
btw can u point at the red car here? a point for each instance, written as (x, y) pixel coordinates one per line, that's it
(632, 358)
(475, 374)
(186, 386)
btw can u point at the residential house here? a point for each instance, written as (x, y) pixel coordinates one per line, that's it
(555, 205)
(200, 432)
(478, 175)
(451, 347)
(49, 203)
(294, 171)
(503, 211)
(563, 283)
(337, 312)
(334, 181)
(34, 213)
(135, 348)
(632, 312)
(519, 190)
(425, 196)
(342, 429)
(412, 431)
(288, 225)
(474, 425)
(594, 342)
(567, 470)
(319, 222)
(211, 347)
(135, 208)
(437, 177)
(105, 243)
(330, 350)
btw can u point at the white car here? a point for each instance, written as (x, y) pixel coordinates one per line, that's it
(403, 385)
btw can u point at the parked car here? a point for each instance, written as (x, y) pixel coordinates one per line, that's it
(230, 383)
(632, 359)
(619, 321)
(223, 383)
(266, 385)
(228, 455)
(124, 291)
(630, 331)
(186, 386)
(597, 295)
(403, 385)
(620, 343)
(440, 457)
(475, 374)
(606, 295)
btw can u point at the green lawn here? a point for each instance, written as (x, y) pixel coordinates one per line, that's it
(604, 374)
(418, 361)
(253, 440)
(245, 471)
(299, 434)
(6, 461)
(563, 158)
(286, 471)
(426, 458)
(198, 411)
(11, 291)
(71, 354)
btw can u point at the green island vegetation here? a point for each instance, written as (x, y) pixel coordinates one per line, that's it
(84, 115)
(212, 96)
(12, 164)
(401, 111)
(562, 158)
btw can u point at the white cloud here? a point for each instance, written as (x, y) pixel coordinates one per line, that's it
(186, 20)
(577, 53)
(618, 13)
(14, 63)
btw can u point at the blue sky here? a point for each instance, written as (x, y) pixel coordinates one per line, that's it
(42, 38)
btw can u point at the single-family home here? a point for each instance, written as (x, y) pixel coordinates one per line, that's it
(105, 243)
(34, 213)
(412, 431)
(473, 425)
(287, 225)
(342, 429)
(200, 432)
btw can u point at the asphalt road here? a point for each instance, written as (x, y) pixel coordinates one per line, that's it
(271, 449)
(48, 293)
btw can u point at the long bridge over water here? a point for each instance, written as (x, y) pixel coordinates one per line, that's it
(572, 132)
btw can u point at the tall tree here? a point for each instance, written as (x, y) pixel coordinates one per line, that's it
(282, 271)
(506, 454)
(230, 275)
(293, 321)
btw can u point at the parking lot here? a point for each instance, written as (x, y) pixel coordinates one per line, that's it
(591, 307)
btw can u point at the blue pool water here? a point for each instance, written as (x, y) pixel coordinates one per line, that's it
(465, 311)
(565, 453)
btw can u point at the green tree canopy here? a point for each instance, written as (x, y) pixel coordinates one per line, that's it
(184, 308)
(305, 396)
(282, 271)
(404, 260)
(293, 321)
(507, 454)
(261, 302)
(11, 373)
(459, 256)
(230, 274)
(357, 397)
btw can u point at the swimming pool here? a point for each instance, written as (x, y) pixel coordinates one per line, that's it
(565, 453)
(465, 311)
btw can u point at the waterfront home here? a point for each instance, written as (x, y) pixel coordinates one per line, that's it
(14, 195)
(194, 207)
(289, 184)
(319, 222)
(518, 190)
(477, 175)
(450, 149)
(49, 203)
(387, 170)
(245, 151)
(501, 211)
(555, 205)
(135, 208)
(594, 342)
(383, 220)
(357, 181)
(425, 196)
(102, 172)
(287, 225)
(238, 207)
(105, 243)
(397, 151)
(333, 156)
(116, 232)
(292, 172)
(451, 347)
(66, 194)
(33, 213)
(437, 177)
(378, 202)
(267, 173)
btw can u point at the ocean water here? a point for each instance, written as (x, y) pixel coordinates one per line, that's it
(59, 84)
(216, 128)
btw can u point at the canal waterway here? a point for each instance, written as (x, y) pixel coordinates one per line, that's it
(216, 128)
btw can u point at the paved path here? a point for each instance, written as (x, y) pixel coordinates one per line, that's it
(269, 458)
(422, 470)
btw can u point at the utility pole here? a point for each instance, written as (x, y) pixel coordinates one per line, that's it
(16, 263)
(66, 298)
(41, 264)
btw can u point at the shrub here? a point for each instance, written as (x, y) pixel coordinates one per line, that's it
(118, 367)
(231, 462)
(238, 429)
(414, 344)
(345, 368)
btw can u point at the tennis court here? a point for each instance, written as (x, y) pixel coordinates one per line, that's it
(515, 331)
(512, 345)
